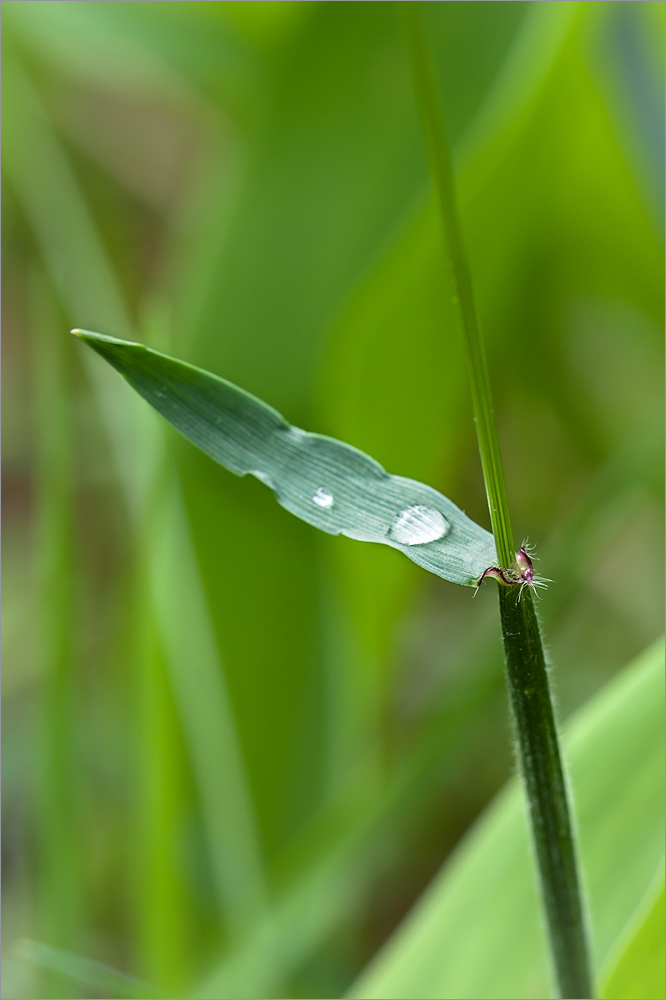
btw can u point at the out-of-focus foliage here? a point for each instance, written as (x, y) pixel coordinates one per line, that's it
(461, 941)
(639, 967)
(235, 752)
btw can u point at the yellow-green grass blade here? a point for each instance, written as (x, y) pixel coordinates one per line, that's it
(477, 931)
(162, 910)
(637, 968)
(331, 485)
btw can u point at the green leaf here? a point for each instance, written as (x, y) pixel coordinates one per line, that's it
(478, 932)
(331, 485)
(638, 968)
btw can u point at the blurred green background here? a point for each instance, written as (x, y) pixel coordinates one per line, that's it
(235, 750)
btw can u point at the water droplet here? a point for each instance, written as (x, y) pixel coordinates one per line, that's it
(322, 498)
(418, 525)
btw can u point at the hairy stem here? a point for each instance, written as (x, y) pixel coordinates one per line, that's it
(545, 788)
(527, 678)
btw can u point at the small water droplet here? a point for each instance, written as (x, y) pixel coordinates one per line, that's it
(322, 498)
(418, 525)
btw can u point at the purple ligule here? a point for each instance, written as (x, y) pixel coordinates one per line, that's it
(520, 574)
(525, 565)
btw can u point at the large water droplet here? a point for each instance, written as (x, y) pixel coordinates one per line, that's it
(418, 525)
(322, 498)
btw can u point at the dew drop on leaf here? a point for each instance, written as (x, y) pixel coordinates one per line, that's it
(322, 498)
(418, 525)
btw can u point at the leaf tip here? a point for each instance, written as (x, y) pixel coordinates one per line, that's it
(89, 335)
(100, 342)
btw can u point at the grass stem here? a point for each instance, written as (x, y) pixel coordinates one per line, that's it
(440, 163)
(545, 789)
(531, 702)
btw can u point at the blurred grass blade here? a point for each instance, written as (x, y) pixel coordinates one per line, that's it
(534, 50)
(331, 485)
(86, 972)
(161, 903)
(338, 870)
(615, 751)
(637, 969)
(68, 240)
(61, 903)
(64, 229)
(207, 718)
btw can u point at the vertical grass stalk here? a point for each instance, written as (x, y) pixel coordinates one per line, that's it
(531, 703)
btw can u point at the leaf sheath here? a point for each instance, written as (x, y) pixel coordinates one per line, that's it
(545, 789)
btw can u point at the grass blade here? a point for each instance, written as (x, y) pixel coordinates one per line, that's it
(331, 485)
(637, 964)
(86, 972)
(207, 718)
(68, 241)
(60, 900)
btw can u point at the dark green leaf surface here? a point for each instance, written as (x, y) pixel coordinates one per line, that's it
(331, 485)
